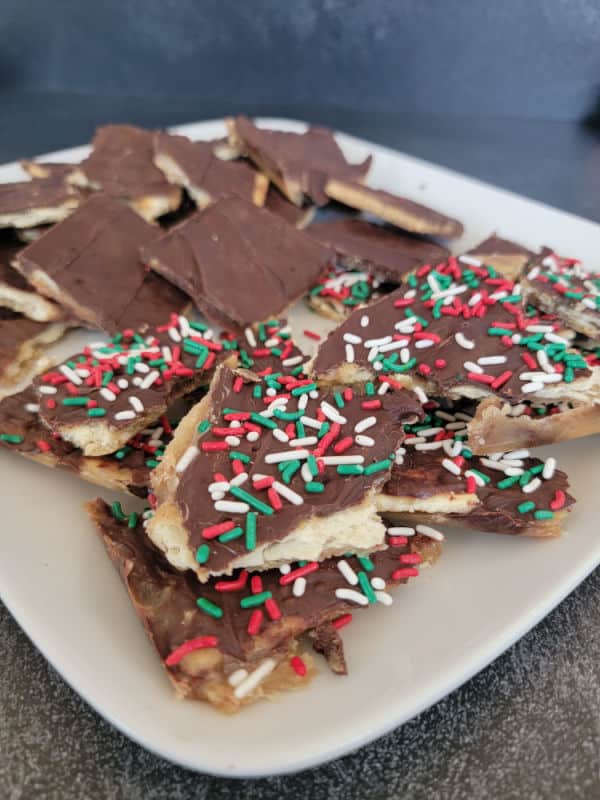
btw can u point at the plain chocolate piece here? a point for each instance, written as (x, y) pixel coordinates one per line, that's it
(387, 253)
(48, 169)
(29, 203)
(90, 264)
(15, 292)
(206, 178)
(299, 164)
(399, 211)
(22, 341)
(239, 264)
(209, 656)
(121, 165)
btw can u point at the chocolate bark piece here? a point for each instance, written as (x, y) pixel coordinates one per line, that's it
(25, 204)
(277, 204)
(206, 178)
(90, 265)
(459, 331)
(400, 211)
(100, 398)
(48, 169)
(240, 264)
(121, 165)
(387, 253)
(15, 292)
(567, 288)
(297, 480)
(437, 480)
(232, 642)
(504, 255)
(22, 342)
(299, 164)
(127, 470)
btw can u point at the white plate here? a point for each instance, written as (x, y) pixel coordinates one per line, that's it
(485, 593)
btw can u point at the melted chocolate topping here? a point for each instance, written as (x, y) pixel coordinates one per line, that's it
(16, 198)
(240, 264)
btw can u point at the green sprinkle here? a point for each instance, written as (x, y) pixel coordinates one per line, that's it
(568, 375)
(366, 563)
(313, 466)
(246, 497)
(152, 463)
(202, 554)
(11, 438)
(315, 487)
(370, 388)
(361, 290)
(499, 332)
(235, 455)
(117, 511)
(323, 429)
(508, 482)
(107, 378)
(229, 536)
(513, 298)
(201, 359)
(122, 452)
(365, 585)
(350, 469)
(251, 530)
(378, 466)
(203, 426)
(254, 600)
(525, 478)
(339, 400)
(288, 470)
(197, 326)
(288, 416)
(299, 390)
(266, 422)
(209, 608)
(257, 391)
(541, 514)
(437, 309)
(523, 508)
(75, 401)
(300, 430)
(96, 412)
(412, 281)
(133, 519)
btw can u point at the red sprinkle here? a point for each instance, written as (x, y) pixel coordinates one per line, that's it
(340, 622)
(256, 584)
(210, 446)
(312, 335)
(43, 446)
(529, 360)
(405, 572)
(273, 609)
(263, 483)
(216, 530)
(298, 666)
(343, 444)
(255, 622)
(424, 369)
(474, 376)
(274, 499)
(410, 558)
(233, 586)
(238, 383)
(312, 566)
(501, 379)
(471, 485)
(397, 541)
(189, 647)
(440, 363)
(348, 394)
(369, 404)
(559, 500)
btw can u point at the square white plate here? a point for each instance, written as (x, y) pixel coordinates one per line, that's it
(485, 592)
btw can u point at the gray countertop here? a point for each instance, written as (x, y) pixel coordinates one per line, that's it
(527, 726)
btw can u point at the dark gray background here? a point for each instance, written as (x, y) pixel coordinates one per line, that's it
(498, 91)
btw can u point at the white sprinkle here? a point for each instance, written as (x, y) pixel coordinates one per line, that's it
(477, 478)
(280, 435)
(174, 334)
(351, 594)
(384, 388)
(70, 374)
(517, 454)
(430, 431)
(302, 402)
(384, 598)
(405, 355)
(539, 328)
(186, 459)
(556, 339)
(544, 361)
(310, 422)
(533, 273)
(47, 389)
(386, 348)
(167, 354)
(421, 396)
(231, 507)
(233, 441)
(364, 321)
(425, 530)
(383, 340)
(271, 392)
(184, 325)
(352, 338)
(250, 337)
(288, 494)
(451, 466)
(136, 404)
(272, 342)
(365, 424)
(285, 455)
(445, 416)
(305, 441)
(108, 395)
(423, 344)
(349, 353)
(531, 486)
(252, 681)
(124, 415)
(399, 531)
(217, 486)
(32, 408)
(470, 260)
(534, 386)
(237, 677)
(453, 448)
(122, 383)
(414, 440)
(463, 416)
(136, 381)
(150, 379)
(335, 460)
(299, 587)
(82, 372)
(516, 338)
(332, 413)
(378, 583)
(141, 367)
(462, 341)
(235, 423)
(489, 360)
(349, 575)
(292, 361)
(372, 354)
(429, 445)
(364, 441)
(305, 473)
(284, 569)
(239, 479)
(549, 468)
